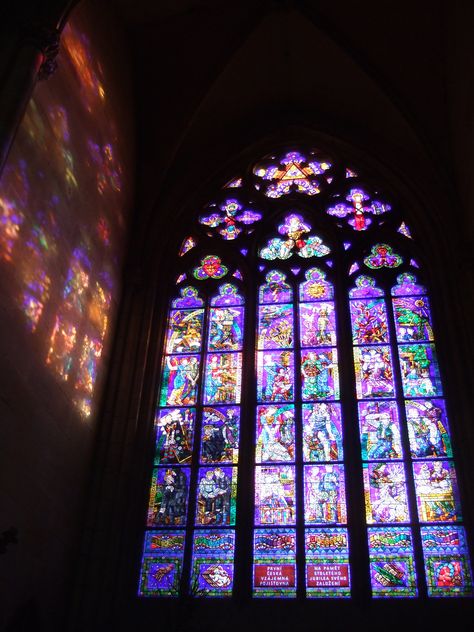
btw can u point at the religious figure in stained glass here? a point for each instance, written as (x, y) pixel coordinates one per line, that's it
(225, 331)
(179, 384)
(275, 434)
(379, 430)
(428, 428)
(412, 319)
(185, 331)
(319, 374)
(222, 380)
(324, 493)
(322, 432)
(369, 321)
(229, 218)
(275, 495)
(174, 435)
(385, 493)
(357, 211)
(168, 497)
(275, 326)
(220, 435)
(317, 324)
(436, 491)
(216, 496)
(275, 376)
(295, 229)
(420, 374)
(374, 375)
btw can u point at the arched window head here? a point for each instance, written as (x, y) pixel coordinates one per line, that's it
(300, 404)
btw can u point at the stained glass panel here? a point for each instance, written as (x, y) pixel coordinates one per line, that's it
(161, 563)
(317, 324)
(223, 378)
(174, 435)
(275, 371)
(420, 373)
(374, 374)
(179, 382)
(322, 432)
(365, 288)
(437, 493)
(319, 374)
(369, 321)
(216, 496)
(412, 319)
(324, 494)
(275, 495)
(220, 435)
(226, 328)
(275, 326)
(327, 563)
(392, 568)
(316, 288)
(385, 493)
(446, 558)
(276, 290)
(184, 331)
(213, 563)
(274, 573)
(379, 430)
(275, 434)
(428, 428)
(169, 492)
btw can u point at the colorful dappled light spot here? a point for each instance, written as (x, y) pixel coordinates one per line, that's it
(316, 288)
(275, 499)
(188, 244)
(230, 218)
(317, 324)
(327, 562)
(294, 229)
(220, 435)
(222, 382)
(185, 331)
(374, 373)
(437, 492)
(379, 430)
(319, 374)
(211, 268)
(385, 493)
(294, 172)
(446, 557)
(213, 563)
(88, 364)
(357, 211)
(392, 568)
(420, 373)
(162, 563)
(382, 256)
(275, 326)
(275, 440)
(216, 496)
(174, 435)
(274, 570)
(369, 321)
(169, 492)
(275, 290)
(275, 376)
(62, 345)
(322, 432)
(428, 429)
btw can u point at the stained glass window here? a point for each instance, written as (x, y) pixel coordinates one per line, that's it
(286, 378)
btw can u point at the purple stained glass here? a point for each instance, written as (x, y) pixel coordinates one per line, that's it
(184, 330)
(365, 288)
(369, 321)
(211, 268)
(420, 373)
(392, 567)
(228, 295)
(275, 502)
(274, 570)
(382, 256)
(407, 286)
(412, 319)
(319, 374)
(357, 211)
(428, 429)
(322, 432)
(230, 218)
(374, 374)
(168, 497)
(189, 298)
(379, 430)
(317, 324)
(275, 326)
(276, 290)
(275, 376)
(213, 563)
(222, 384)
(316, 288)
(216, 496)
(327, 562)
(179, 383)
(296, 241)
(293, 173)
(447, 565)
(404, 230)
(324, 494)
(385, 493)
(161, 563)
(354, 267)
(220, 435)
(187, 245)
(225, 328)
(437, 493)
(275, 439)
(174, 435)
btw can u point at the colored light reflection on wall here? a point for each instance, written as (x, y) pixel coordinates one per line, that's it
(62, 203)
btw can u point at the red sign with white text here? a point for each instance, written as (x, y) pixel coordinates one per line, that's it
(274, 575)
(328, 575)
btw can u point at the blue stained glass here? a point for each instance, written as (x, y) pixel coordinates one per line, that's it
(275, 376)
(213, 563)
